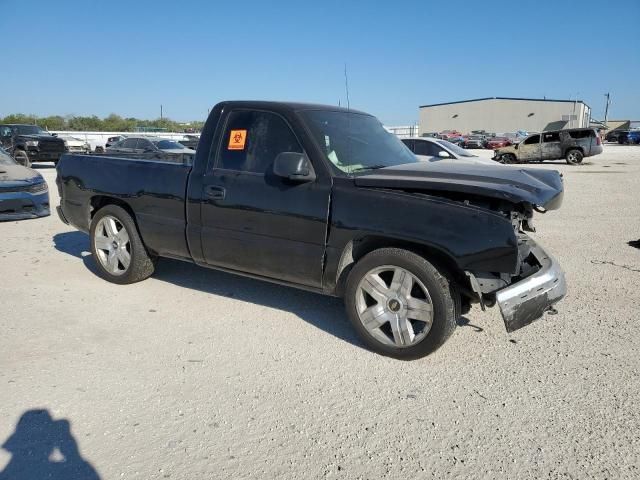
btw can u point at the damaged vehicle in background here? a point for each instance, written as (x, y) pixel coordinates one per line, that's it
(325, 199)
(572, 145)
(23, 191)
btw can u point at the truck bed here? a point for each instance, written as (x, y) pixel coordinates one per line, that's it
(158, 198)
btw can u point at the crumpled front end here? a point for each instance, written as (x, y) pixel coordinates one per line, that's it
(528, 298)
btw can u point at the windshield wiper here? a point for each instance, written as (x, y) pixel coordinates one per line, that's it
(368, 167)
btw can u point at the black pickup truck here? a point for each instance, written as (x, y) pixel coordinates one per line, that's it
(30, 143)
(324, 199)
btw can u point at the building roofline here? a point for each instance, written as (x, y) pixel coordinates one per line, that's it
(504, 98)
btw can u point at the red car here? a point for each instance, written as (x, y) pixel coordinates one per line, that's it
(447, 134)
(498, 142)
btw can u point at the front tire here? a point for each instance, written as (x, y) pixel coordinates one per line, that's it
(574, 156)
(507, 158)
(400, 304)
(117, 248)
(22, 158)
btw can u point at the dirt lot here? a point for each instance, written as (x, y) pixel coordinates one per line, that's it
(196, 374)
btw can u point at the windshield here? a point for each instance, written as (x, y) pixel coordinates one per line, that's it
(354, 142)
(28, 130)
(459, 152)
(169, 145)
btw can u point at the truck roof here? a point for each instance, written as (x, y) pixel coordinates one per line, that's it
(287, 106)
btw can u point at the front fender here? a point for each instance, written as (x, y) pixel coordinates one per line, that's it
(472, 238)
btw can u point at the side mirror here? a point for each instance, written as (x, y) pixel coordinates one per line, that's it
(443, 154)
(516, 146)
(294, 166)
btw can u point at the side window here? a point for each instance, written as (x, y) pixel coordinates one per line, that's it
(532, 140)
(252, 140)
(551, 137)
(581, 133)
(130, 143)
(410, 144)
(426, 148)
(143, 144)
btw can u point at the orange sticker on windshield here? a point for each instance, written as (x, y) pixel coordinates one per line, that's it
(237, 139)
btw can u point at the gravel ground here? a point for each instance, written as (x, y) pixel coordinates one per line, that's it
(197, 374)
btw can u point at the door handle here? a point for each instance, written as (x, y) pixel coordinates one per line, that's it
(214, 193)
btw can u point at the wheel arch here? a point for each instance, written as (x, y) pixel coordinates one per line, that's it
(357, 248)
(572, 147)
(97, 202)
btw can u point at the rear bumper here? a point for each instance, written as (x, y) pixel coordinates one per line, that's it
(525, 301)
(596, 150)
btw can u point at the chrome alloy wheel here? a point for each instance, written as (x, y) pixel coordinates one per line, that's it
(394, 306)
(111, 242)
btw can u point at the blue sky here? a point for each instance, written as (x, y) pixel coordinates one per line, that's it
(95, 57)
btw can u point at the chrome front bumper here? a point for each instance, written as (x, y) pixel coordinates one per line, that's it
(525, 301)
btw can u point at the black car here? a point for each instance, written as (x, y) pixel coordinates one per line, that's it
(30, 143)
(616, 136)
(23, 191)
(325, 199)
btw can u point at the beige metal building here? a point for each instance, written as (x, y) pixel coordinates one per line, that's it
(501, 114)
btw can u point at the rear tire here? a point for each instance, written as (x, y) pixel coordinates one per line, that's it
(415, 306)
(117, 248)
(22, 158)
(574, 156)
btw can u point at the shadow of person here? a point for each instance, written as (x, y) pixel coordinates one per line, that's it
(42, 447)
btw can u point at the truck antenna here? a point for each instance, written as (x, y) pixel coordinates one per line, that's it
(346, 86)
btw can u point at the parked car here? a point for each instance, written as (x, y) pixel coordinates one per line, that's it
(497, 142)
(30, 143)
(23, 191)
(75, 145)
(113, 140)
(190, 141)
(633, 137)
(614, 135)
(447, 134)
(442, 151)
(572, 145)
(474, 141)
(325, 199)
(457, 140)
(148, 145)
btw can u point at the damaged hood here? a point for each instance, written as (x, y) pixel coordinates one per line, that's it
(517, 185)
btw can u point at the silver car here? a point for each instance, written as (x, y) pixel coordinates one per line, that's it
(437, 150)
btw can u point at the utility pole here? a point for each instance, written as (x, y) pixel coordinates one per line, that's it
(606, 110)
(160, 111)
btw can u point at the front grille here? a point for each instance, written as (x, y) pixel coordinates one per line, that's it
(51, 146)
